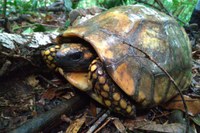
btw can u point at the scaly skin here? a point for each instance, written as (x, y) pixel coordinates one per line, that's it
(111, 95)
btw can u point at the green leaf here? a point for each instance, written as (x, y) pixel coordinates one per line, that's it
(39, 28)
(67, 23)
(28, 31)
(68, 5)
(196, 119)
(34, 4)
(1, 30)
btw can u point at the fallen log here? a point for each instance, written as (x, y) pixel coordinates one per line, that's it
(42, 121)
(22, 53)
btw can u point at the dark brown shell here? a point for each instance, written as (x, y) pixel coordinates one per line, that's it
(160, 36)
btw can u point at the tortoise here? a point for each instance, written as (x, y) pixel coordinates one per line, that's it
(99, 57)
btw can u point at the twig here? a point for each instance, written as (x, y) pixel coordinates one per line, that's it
(46, 80)
(103, 125)
(98, 122)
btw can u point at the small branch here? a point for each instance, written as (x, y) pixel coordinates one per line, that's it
(98, 122)
(103, 125)
(38, 123)
(49, 82)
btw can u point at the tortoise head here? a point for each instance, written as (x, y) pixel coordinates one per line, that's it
(71, 57)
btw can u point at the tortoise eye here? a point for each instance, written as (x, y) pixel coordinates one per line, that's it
(76, 56)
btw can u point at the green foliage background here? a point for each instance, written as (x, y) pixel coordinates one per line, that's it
(182, 9)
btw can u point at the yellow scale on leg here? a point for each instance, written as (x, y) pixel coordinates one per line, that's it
(105, 88)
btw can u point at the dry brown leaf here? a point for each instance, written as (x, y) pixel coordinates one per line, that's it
(75, 126)
(135, 124)
(193, 104)
(49, 94)
(120, 127)
(68, 95)
(153, 127)
(167, 128)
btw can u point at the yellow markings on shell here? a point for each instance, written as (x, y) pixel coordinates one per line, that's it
(93, 68)
(123, 78)
(128, 109)
(73, 31)
(47, 52)
(117, 27)
(50, 58)
(123, 103)
(160, 87)
(57, 46)
(106, 87)
(52, 49)
(102, 79)
(104, 94)
(141, 97)
(152, 40)
(107, 103)
(116, 96)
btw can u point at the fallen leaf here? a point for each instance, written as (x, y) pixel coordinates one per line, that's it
(120, 127)
(151, 126)
(75, 126)
(49, 94)
(196, 119)
(193, 104)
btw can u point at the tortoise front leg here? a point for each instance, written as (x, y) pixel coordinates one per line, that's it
(106, 90)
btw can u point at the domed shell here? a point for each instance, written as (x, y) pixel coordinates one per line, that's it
(113, 33)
